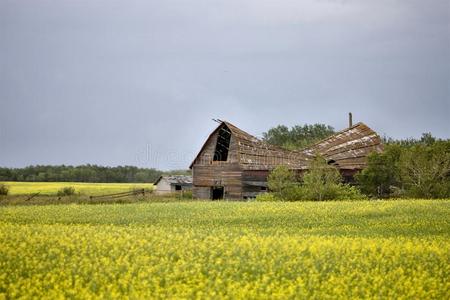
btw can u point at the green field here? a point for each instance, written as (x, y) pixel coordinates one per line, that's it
(327, 250)
(51, 188)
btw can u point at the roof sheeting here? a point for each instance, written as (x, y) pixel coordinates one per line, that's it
(255, 154)
(348, 148)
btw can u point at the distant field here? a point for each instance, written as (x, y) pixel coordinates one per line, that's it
(51, 188)
(227, 250)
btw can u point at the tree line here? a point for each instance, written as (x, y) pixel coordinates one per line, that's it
(83, 173)
(417, 168)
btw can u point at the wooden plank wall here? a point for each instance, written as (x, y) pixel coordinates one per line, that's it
(207, 155)
(219, 174)
(208, 173)
(201, 192)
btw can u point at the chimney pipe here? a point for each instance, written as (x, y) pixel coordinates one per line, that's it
(350, 120)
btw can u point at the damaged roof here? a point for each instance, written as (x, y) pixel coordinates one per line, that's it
(349, 148)
(346, 149)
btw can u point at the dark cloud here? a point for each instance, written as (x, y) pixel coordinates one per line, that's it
(137, 82)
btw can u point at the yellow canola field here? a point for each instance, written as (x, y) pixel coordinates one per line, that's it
(395, 250)
(84, 188)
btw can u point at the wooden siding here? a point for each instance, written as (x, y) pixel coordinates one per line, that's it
(201, 192)
(228, 175)
(207, 153)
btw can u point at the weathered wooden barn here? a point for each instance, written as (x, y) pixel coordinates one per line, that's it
(233, 164)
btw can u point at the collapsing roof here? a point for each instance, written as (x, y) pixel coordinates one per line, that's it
(349, 148)
(346, 149)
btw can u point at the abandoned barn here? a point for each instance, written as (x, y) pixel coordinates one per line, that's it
(233, 164)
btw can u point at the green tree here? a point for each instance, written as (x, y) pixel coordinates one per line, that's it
(419, 168)
(425, 170)
(280, 180)
(382, 173)
(321, 181)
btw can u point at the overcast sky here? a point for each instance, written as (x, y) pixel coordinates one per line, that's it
(138, 82)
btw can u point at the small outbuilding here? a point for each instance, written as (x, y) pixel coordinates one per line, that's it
(173, 184)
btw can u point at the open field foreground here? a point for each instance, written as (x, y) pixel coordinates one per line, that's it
(83, 188)
(378, 249)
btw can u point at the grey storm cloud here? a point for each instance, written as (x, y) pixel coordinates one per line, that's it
(137, 82)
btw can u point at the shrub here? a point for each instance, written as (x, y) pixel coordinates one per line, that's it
(295, 192)
(382, 173)
(187, 194)
(280, 180)
(66, 191)
(425, 170)
(420, 171)
(4, 189)
(348, 192)
(321, 181)
(266, 197)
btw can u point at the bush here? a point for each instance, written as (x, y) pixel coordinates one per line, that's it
(348, 192)
(382, 173)
(266, 197)
(425, 170)
(66, 191)
(320, 182)
(280, 180)
(419, 171)
(4, 189)
(187, 194)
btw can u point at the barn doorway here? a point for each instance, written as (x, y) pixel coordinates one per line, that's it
(217, 193)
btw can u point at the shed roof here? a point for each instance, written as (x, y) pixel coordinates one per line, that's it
(176, 179)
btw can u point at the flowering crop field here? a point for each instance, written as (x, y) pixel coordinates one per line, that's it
(328, 250)
(84, 188)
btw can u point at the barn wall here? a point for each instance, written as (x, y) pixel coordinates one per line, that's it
(233, 157)
(207, 154)
(254, 182)
(208, 173)
(223, 174)
(201, 192)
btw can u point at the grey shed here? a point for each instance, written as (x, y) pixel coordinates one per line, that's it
(173, 183)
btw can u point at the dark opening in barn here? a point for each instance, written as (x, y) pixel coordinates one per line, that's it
(332, 162)
(222, 145)
(217, 193)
